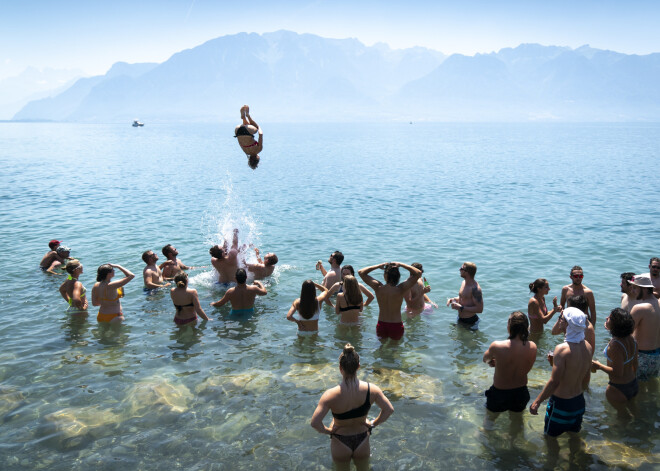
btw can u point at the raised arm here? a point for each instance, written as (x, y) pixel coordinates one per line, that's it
(325, 293)
(415, 275)
(368, 279)
(128, 276)
(234, 242)
(261, 291)
(560, 326)
(319, 266)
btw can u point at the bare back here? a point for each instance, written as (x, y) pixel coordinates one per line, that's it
(513, 361)
(647, 323)
(571, 368)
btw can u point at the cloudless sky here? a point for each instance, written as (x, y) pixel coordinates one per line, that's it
(92, 35)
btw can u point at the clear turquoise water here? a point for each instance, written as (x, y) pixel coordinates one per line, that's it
(521, 200)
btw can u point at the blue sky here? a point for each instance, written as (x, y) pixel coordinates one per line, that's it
(92, 35)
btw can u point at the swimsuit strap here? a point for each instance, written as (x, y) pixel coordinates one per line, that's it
(628, 360)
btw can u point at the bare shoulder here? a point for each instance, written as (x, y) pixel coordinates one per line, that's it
(533, 301)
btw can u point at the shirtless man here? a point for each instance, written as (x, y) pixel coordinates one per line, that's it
(646, 314)
(512, 360)
(470, 301)
(576, 288)
(225, 260)
(58, 262)
(153, 277)
(390, 296)
(263, 268)
(654, 274)
(627, 302)
(242, 295)
(50, 256)
(572, 363)
(244, 132)
(172, 265)
(416, 298)
(333, 275)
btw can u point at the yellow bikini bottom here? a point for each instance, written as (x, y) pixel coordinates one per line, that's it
(106, 317)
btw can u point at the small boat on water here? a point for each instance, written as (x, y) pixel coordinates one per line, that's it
(136, 123)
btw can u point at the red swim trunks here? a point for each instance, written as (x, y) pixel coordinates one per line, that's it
(393, 330)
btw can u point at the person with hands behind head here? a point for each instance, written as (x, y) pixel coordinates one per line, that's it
(106, 293)
(349, 403)
(537, 311)
(390, 296)
(305, 310)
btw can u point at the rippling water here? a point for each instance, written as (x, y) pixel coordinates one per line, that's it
(522, 201)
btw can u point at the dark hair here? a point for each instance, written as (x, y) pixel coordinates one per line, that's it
(627, 277)
(349, 268)
(621, 323)
(579, 302)
(349, 360)
(576, 268)
(145, 256)
(537, 284)
(167, 249)
(216, 251)
(654, 259)
(270, 259)
(518, 326)
(308, 303)
(338, 256)
(253, 161)
(392, 274)
(181, 279)
(470, 268)
(241, 276)
(103, 271)
(418, 266)
(72, 265)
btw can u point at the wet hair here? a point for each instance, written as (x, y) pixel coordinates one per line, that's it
(349, 268)
(418, 266)
(579, 302)
(621, 323)
(349, 360)
(654, 259)
(470, 268)
(216, 251)
(270, 259)
(518, 326)
(54, 245)
(576, 268)
(352, 293)
(537, 285)
(338, 256)
(181, 279)
(103, 271)
(72, 265)
(308, 303)
(253, 161)
(167, 249)
(241, 276)
(146, 256)
(627, 277)
(392, 274)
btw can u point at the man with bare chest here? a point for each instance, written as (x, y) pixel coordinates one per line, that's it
(576, 288)
(654, 274)
(225, 260)
(470, 301)
(153, 277)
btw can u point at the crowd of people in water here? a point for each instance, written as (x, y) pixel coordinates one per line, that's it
(632, 355)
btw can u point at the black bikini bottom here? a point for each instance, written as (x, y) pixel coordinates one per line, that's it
(352, 441)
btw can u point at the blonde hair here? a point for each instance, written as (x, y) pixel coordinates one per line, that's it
(72, 265)
(352, 294)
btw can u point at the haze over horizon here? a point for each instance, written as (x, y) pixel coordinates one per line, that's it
(92, 36)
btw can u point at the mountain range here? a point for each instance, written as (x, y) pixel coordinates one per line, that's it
(286, 76)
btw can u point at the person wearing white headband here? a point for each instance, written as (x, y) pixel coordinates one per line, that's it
(569, 378)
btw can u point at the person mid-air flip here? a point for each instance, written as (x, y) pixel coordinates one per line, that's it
(245, 134)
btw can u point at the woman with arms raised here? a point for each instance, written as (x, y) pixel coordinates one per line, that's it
(106, 293)
(350, 403)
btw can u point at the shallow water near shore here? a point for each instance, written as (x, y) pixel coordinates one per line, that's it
(522, 201)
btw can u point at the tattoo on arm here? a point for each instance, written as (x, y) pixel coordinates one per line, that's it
(476, 294)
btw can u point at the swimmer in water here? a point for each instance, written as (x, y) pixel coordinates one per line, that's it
(305, 310)
(242, 295)
(245, 134)
(73, 291)
(537, 311)
(185, 301)
(51, 255)
(106, 293)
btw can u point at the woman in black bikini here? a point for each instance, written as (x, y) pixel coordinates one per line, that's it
(349, 301)
(245, 134)
(185, 301)
(350, 429)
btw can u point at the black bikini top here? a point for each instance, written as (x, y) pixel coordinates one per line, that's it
(359, 411)
(348, 308)
(243, 131)
(178, 307)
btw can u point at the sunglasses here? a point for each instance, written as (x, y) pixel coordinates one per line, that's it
(655, 267)
(577, 276)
